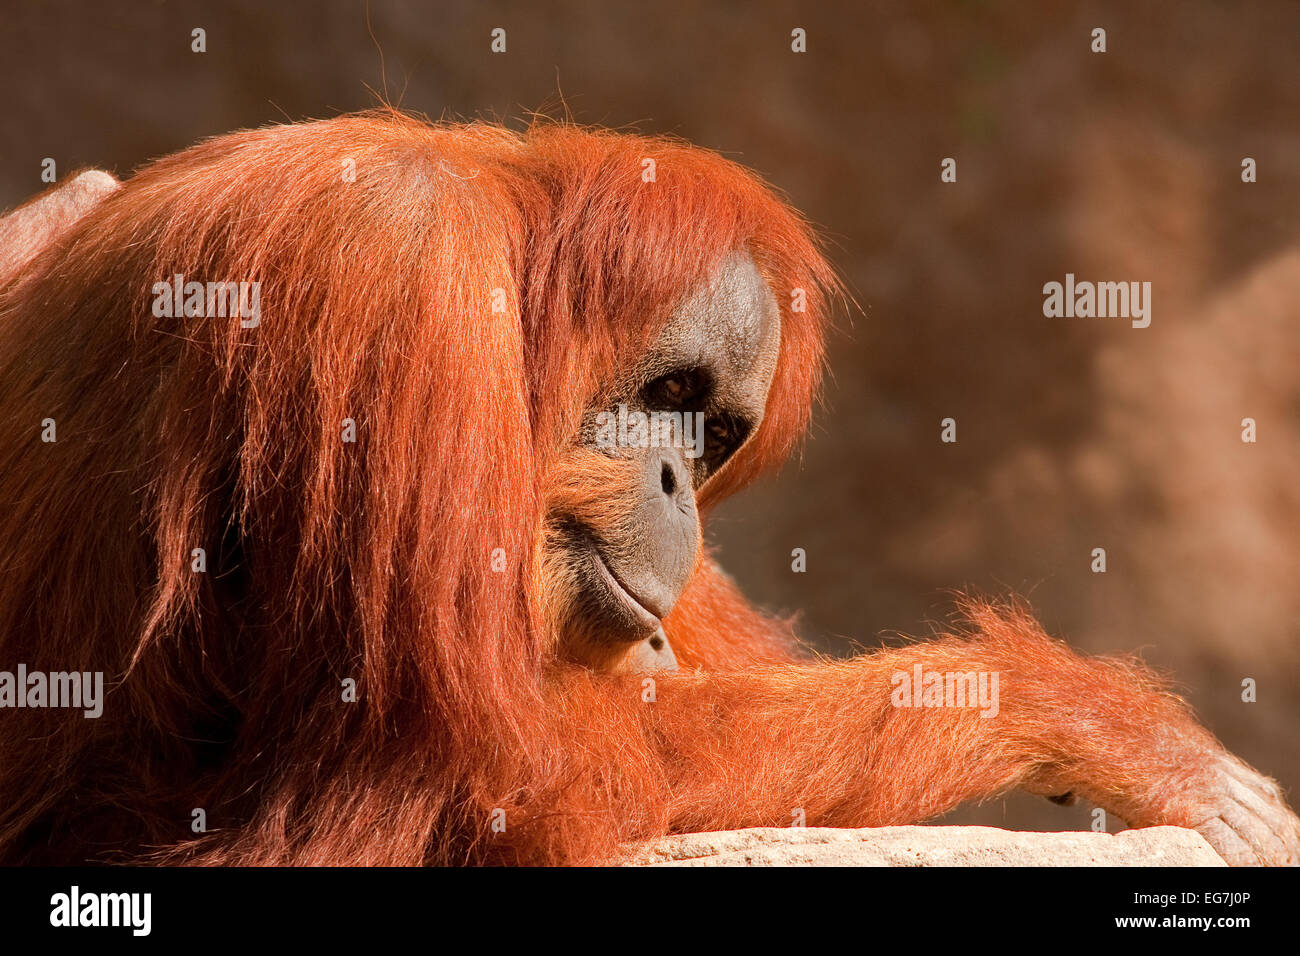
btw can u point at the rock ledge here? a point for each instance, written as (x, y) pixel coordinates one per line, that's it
(926, 846)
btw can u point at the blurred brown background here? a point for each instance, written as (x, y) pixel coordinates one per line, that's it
(1073, 433)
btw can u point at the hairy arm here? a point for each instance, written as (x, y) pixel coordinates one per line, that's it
(751, 747)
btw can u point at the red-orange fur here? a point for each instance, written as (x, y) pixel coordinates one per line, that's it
(372, 560)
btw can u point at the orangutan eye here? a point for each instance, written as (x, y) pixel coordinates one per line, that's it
(724, 433)
(680, 389)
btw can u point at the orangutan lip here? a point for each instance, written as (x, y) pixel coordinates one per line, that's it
(620, 590)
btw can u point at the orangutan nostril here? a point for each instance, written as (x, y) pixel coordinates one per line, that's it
(668, 480)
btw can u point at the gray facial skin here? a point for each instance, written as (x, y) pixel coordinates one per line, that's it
(716, 356)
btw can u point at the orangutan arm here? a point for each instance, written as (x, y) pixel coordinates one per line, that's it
(753, 747)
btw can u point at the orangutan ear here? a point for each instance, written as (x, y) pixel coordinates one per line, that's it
(30, 228)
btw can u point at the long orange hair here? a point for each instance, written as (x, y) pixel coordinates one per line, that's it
(385, 249)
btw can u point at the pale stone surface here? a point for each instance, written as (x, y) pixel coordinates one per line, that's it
(927, 846)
